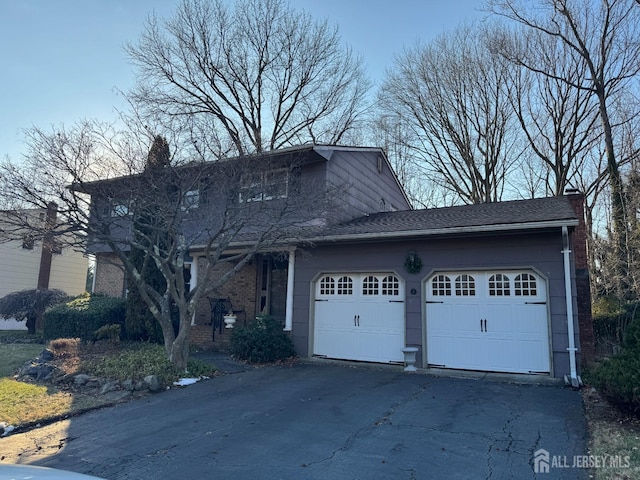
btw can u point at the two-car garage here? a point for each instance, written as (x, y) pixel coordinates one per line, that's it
(473, 320)
(492, 287)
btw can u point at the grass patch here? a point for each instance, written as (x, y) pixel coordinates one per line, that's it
(612, 434)
(615, 440)
(13, 355)
(13, 333)
(139, 360)
(23, 402)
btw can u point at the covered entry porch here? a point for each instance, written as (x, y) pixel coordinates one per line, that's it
(262, 287)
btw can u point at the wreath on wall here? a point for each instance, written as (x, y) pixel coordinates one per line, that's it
(413, 264)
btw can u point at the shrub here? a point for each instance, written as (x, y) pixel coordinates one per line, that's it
(262, 341)
(632, 335)
(109, 332)
(140, 360)
(618, 379)
(82, 317)
(611, 320)
(30, 305)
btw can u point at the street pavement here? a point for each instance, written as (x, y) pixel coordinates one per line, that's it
(320, 421)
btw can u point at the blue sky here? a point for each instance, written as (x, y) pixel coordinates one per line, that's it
(62, 60)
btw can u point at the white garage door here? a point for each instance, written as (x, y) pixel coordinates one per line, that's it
(493, 321)
(359, 316)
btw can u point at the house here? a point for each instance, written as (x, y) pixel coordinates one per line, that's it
(485, 287)
(30, 262)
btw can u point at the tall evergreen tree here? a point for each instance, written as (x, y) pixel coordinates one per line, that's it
(140, 324)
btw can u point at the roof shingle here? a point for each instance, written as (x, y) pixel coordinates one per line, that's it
(534, 211)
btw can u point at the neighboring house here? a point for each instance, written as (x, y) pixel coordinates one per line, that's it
(29, 262)
(481, 287)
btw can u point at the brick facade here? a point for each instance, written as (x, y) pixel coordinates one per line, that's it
(583, 286)
(240, 289)
(109, 275)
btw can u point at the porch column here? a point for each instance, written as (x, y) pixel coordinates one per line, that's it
(288, 322)
(193, 282)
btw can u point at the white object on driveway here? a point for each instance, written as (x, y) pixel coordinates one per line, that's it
(24, 472)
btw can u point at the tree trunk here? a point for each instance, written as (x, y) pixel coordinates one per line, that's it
(617, 202)
(179, 352)
(31, 325)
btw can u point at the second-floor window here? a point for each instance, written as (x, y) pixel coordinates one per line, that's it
(190, 200)
(116, 208)
(259, 186)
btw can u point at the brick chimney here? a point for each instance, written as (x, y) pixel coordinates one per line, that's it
(48, 245)
(583, 286)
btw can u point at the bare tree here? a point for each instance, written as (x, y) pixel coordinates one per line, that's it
(451, 95)
(164, 212)
(559, 121)
(255, 77)
(603, 36)
(389, 131)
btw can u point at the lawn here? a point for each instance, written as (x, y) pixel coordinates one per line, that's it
(613, 436)
(13, 355)
(27, 403)
(23, 403)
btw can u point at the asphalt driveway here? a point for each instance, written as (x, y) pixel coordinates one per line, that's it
(321, 421)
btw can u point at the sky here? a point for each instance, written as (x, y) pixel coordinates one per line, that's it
(63, 60)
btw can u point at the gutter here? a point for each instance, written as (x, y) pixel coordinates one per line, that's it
(443, 231)
(400, 234)
(574, 380)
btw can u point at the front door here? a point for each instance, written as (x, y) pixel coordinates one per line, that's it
(272, 286)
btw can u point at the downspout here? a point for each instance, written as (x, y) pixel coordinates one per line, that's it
(575, 381)
(288, 322)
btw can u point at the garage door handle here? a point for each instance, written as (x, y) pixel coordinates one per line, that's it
(358, 320)
(483, 326)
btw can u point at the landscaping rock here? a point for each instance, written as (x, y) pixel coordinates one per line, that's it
(28, 369)
(93, 383)
(128, 385)
(153, 383)
(81, 379)
(6, 429)
(117, 396)
(44, 371)
(110, 387)
(46, 356)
